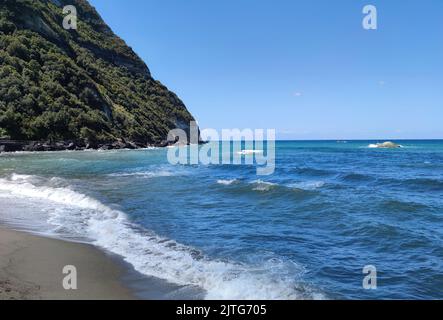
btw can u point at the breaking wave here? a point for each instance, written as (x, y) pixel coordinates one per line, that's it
(226, 182)
(152, 255)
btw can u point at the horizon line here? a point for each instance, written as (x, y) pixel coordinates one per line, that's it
(343, 140)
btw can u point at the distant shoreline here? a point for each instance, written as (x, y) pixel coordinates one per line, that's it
(38, 146)
(41, 146)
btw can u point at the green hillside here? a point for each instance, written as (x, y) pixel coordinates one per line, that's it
(83, 85)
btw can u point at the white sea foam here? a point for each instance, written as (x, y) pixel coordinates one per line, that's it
(307, 185)
(151, 254)
(263, 186)
(145, 174)
(18, 177)
(249, 152)
(260, 185)
(227, 182)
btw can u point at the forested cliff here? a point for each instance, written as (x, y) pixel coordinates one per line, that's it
(84, 84)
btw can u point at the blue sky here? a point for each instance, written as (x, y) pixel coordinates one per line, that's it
(306, 68)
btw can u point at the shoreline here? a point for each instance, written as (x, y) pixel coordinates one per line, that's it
(11, 146)
(31, 268)
(7, 146)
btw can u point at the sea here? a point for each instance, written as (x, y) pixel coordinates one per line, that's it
(335, 220)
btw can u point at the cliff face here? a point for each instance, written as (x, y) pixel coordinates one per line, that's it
(81, 85)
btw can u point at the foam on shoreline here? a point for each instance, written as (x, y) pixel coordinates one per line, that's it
(80, 215)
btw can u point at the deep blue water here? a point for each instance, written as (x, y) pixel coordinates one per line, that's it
(306, 231)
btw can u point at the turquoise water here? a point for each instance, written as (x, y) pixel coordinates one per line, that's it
(307, 231)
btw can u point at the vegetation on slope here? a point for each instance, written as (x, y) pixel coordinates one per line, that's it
(83, 84)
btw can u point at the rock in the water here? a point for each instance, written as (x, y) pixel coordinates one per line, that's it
(385, 145)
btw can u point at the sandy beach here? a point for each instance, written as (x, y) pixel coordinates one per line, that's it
(31, 267)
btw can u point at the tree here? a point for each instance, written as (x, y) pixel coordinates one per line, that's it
(17, 49)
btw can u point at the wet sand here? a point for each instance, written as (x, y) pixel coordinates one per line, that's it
(31, 267)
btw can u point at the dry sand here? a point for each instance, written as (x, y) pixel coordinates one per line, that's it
(31, 268)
